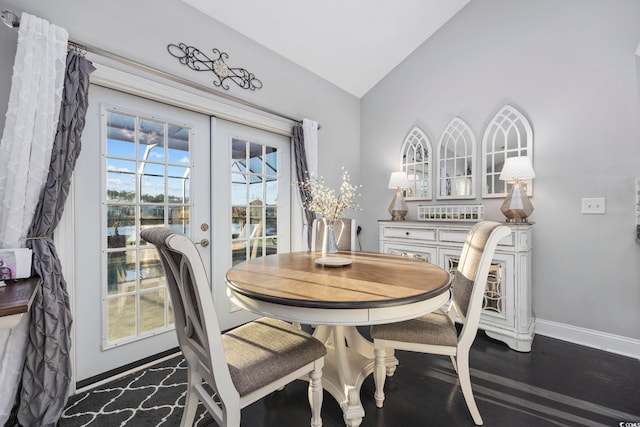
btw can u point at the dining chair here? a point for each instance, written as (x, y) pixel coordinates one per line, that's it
(436, 332)
(241, 365)
(345, 230)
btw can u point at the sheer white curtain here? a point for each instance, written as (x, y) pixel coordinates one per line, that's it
(310, 129)
(25, 154)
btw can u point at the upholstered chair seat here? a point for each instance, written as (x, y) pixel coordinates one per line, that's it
(265, 350)
(434, 328)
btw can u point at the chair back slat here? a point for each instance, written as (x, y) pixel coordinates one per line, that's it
(196, 321)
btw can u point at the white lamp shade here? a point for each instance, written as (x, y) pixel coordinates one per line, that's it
(399, 180)
(517, 168)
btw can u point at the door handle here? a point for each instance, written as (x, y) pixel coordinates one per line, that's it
(204, 243)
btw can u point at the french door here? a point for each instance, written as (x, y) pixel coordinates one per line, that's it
(146, 164)
(252, 204)
(143, 164)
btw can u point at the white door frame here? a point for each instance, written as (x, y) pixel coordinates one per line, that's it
(163, 92)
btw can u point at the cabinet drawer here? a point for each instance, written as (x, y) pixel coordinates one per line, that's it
(456, 236)
(421, 253)
(410, 233)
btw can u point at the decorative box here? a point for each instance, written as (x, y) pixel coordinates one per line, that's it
(451, 213)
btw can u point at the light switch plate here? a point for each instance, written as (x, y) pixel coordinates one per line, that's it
(593, 205)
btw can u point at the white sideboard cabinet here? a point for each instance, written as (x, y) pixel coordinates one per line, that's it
(507, 314)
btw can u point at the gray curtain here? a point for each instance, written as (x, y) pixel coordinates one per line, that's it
(47, 372)
(302, 173)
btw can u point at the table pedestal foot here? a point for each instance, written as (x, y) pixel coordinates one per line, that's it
(349, 361)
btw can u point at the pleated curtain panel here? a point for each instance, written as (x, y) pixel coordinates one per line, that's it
(38, 151)
(305, 151)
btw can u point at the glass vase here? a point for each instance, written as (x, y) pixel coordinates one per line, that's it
(329, 244)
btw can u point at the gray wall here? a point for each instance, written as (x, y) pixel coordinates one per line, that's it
(142, 29)
(569, 66)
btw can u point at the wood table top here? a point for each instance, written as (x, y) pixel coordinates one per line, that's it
(372, 280)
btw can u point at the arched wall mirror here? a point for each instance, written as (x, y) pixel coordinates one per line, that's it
(416, 161)
(456, 168)
(508, 134)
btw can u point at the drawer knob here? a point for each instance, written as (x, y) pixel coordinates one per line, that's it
(407, 233)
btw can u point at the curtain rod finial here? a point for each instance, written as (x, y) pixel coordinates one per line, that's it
(10, 19)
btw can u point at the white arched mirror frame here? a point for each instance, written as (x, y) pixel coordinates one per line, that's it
(508, 134)
(415, 158)
(456, 165)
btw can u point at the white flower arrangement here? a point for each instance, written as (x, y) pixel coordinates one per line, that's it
(324, 200)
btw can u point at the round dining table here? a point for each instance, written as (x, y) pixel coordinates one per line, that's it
(335, 294)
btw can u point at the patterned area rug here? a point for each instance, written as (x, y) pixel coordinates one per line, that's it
(152, 397)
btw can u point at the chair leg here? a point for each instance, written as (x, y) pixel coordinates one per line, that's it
(191, 400)
(315, 395)
(379, 373)
(465, 383)
(455, 363)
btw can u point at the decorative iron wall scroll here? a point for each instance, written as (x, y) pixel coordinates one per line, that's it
(198, 61)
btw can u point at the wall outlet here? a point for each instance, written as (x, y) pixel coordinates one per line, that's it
(593, 205)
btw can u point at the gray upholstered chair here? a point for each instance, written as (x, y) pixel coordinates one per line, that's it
(345, 230)
(242, 365)
(436, 332)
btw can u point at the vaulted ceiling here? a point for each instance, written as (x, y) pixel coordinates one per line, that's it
(351, 43)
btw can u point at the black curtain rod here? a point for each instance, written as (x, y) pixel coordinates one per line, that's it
(12, 20)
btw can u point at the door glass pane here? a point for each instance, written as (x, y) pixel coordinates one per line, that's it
(255, 158)
(152, 310)
(121, 229)
(178, 184)
(119, 273)
(151, 271)
(178, 145)
(121, 130)
(238, 189)
(238, 156)
(254, 190)
(121, 180)
(180, 218)
(151, 138)
(151, 216)
(152, 187)
(121, 318)
(271, 161)
(148, 174)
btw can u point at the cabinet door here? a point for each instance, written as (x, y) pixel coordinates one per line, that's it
(499, 295)
(422, 253)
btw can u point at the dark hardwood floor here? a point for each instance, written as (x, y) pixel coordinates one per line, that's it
(556, 384)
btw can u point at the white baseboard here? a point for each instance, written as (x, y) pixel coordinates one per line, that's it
(588, 337)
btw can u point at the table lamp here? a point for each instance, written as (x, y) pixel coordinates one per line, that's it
(517, 206)
(398, 207)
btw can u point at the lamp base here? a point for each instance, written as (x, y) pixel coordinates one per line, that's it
(398, 215)
(517, 206)
(398, 207)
